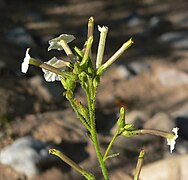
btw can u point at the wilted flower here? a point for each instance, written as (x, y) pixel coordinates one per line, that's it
(60, 64)
(25, 64)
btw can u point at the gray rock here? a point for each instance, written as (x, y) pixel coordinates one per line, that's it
(20, 37)
(173, 77)
(178, 40)
(24, 155)
(179, 19)
(157, 26)
(154, 21)
(174, 168)
(137, 118)
(180, 112)
(138, 67)
(36, 83)
(160, 121)
(122, 73)
(134, 20)
(116, 73)
(181, 146)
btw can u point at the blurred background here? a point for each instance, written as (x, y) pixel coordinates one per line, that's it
(150, 80)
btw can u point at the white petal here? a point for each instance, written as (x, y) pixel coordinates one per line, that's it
(175, 131)
(172, 142)
(103, 28)
(54, 43)
(50, 76)
(25, 64)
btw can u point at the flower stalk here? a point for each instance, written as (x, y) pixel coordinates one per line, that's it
(91, 106)
(139, 165)
(71, 163)
(170, 136)
(118, 53)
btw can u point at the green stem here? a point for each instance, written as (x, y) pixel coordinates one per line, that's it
(139, 165)
(68, 50)
(110, 145)
(91, 106)
(117, 54)
(71, 163)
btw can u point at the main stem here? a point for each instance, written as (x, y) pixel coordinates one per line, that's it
(91, 106)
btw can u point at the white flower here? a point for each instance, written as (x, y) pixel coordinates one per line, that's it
(25, 64)
(172, 141)
(50, 76)
(56, 42)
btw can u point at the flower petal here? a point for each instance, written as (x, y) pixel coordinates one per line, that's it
(25, 64)
(172, 141)
(55, 43)
(50, 76)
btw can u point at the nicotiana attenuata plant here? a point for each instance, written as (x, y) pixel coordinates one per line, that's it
(81, 69)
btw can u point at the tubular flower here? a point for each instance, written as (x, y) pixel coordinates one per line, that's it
(56, 43)
(50, 76)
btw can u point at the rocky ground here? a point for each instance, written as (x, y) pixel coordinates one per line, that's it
(150, 80)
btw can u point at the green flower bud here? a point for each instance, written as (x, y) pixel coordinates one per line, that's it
(82, 109)
(96, 81)
(121, 120)
(79, 53)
